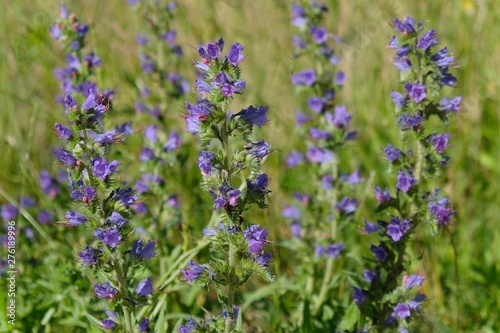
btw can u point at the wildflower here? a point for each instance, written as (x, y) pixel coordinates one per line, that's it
(416, 91)
(145, 287)
(296, 229)
(392, 153)
(143, 252)
(319, 155)
(189, 327)
(65, 157)
(405, 181)
(333, 250)
(452, 105)
(144, 325)
(256, 238)
(9, 212)
(380, 252)
(440, 141)
(371, 227)
(427, 40)
(254, 115)
(402, 310)
(110, 236)
(346, 205)
(441, 212)
(205, 162)
(291, 212)
(105, 290)
(359, 296)
(89, 256)
(382, 196)
(193, 272)
(75, 218)
(294, 158)
(413, 280)
(235, 54)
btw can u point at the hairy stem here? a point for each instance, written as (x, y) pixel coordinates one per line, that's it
(232, 287)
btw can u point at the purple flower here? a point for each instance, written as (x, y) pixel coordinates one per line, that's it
(413, 280)
(305, 78)
(220, 203)
(75, 218)
(397, 228)
(143, 252)
(264, 258)
(382, 196)
(9, 212)
(371, 227)
(319, 251)
(107, 137)
(205, 162)
(318, 134)
(402, 64)
(105, 290)
(102, 168)
(69, 102)
(327, 182)
(346, 205)
(369, 275)
(254, 115)
(320, 35)
(440, 212)
(260, 182)
(85, 194)
(256, 238)
(27, 202)
(300, 118)
(392, 153)
(405, 181)
(233, 197)
(291, 212)
(427, 40)
(417, 299)
(316, 104)
(416, 91)
(406, 27)
(174, 142)
(151, 133)
(108, 324)
(379, 252)
(298, 42)
(144, 325)
(296, 229)
(442, 59)
(235, 55)
(298, 16)
(406, 122)
(398, 99)
(319, 155)
(402, 310)
(117, 220)
(333, 250)
(341, 118)
(340, 78)
(439, 141)
(89, 256)
(63, 132)
(353, 178)
(45, 217)
(450, 105)
(403, 50)
(294, 158)
(189, 327)
(145, 287)
(358, 296)
(260, 149)
(110, 237)
(193, 272)
(147, 154)
(446, 78)
(65, 157)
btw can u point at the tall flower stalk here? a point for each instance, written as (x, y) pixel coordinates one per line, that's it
(161, 87)
(101, 202)
(230, 163)
(323, 211)
(416, 166)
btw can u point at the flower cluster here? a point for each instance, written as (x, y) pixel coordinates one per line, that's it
(323, 210)
(101, 202)
(76, 77)
(231, 175)
(424, 72)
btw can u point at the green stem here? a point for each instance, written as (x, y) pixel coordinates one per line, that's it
(325, 283)
(122, 281)
(232, 287)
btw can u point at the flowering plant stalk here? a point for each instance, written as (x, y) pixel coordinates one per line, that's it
(161, 87)
(323, 215)
(230, 161)
(101, 202)
(416, 168)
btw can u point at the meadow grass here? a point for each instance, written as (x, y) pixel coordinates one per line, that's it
(462, 265)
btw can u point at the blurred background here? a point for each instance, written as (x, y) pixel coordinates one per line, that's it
(461, 265)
